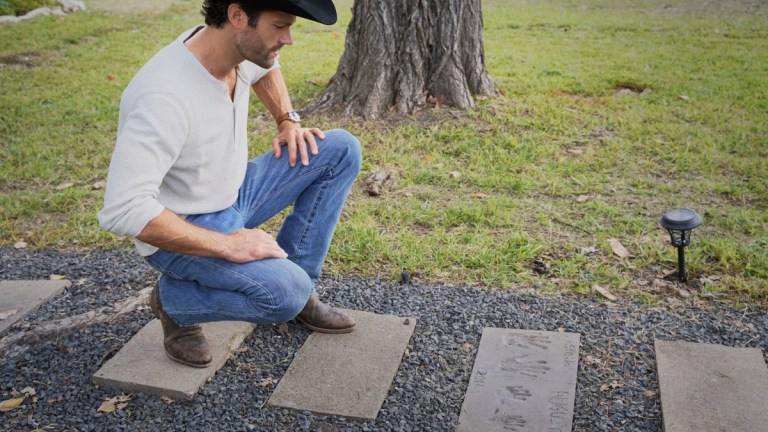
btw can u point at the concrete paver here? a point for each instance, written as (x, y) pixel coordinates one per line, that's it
(142, 366)
(522, 380)
(347, 374)
(712, 387)
(18, 298)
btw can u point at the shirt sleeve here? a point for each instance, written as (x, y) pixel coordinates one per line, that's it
(256, 72)
(149, 141)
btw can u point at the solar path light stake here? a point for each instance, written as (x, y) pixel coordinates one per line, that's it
(680, 223)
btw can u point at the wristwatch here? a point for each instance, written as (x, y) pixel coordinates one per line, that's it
(290, 116)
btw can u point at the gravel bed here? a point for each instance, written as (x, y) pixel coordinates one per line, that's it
(617, 384)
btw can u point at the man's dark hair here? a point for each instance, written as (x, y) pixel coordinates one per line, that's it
(215, 11)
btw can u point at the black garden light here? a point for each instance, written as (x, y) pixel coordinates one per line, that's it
(680, 223)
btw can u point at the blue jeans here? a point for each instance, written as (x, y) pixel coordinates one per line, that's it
(198, 289)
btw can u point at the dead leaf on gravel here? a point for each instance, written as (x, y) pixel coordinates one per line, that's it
(8, 313)
(28, 391)
(20, 245)
(604, 292)
(11, 404)
(115, 403)
(167, 400)
(56, 277)
(583, 198)
(650, 393)
(282, 329)
(604, 387)
(467, 347)
(267, 382)
(618, 248)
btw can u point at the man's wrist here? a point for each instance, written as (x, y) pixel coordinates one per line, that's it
(290, 116)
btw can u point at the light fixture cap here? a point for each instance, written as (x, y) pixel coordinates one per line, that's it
(680, 219)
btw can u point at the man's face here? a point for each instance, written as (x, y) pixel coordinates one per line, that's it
(261, 43)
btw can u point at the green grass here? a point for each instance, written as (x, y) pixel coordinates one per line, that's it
(560, 129)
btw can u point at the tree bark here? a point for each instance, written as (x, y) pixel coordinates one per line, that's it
(400, 53)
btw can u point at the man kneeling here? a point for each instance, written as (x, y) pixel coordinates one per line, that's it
(180, 182)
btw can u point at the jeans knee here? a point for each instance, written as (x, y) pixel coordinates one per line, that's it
(349, 147)
(290, 297)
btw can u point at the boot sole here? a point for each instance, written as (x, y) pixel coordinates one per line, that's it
(327, 330)
(194, 365)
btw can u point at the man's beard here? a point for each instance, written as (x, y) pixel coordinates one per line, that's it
(259, 54)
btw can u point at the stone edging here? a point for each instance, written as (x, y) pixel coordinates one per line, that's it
(65, 6)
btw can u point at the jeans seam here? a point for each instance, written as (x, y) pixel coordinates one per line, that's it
(286, 185)
(311, 216)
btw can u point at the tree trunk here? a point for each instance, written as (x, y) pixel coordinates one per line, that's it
(399, 53)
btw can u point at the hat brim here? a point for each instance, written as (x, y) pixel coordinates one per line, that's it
(322, 11)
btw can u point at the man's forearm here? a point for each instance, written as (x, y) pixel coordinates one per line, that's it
(273, 93)
(171, 233)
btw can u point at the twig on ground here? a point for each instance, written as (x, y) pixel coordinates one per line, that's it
(17, 344)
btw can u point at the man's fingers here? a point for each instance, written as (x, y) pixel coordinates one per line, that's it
(302, 144)
(292, 150)
(277, 148)
(312, 142)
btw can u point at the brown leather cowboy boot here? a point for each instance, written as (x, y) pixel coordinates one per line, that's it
(186, 345)
(320, 317)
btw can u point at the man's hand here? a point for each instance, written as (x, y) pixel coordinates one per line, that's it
(246, 245)
(298, 140)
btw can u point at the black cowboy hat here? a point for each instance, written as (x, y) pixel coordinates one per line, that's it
(321, 11)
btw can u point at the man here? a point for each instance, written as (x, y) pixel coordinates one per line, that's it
(181, 185)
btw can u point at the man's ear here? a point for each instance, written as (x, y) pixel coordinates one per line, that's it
(237, 16)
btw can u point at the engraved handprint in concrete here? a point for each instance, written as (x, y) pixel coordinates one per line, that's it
(512, 393)
(508, 422)
(527, 341)
(525, 367)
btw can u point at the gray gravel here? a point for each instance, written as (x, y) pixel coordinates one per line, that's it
(616, 354)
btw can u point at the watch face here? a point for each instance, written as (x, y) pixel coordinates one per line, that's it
(293, 115)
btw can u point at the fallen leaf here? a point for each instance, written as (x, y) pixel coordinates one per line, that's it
(618, 248)
(8, 313)
(56, 277)
(111, 78)
(101, 184)
(28, 391)
(64, 186)
(683, 97)
(583, 198)
(167, 400)
(575, 151)
(589, 250)
(467, 347)
(267, 382)
(375, 181)
(604, 292)
(650, 393)
(604, 387)
(11, 404)
(479, 196)
(454, 174)
(282, 329)
(115, 403)
(20, 245)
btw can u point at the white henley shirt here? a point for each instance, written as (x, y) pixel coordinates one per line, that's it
(181, 142)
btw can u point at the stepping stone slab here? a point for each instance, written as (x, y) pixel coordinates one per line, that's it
(522, 380)
(142, 366)
(18, 298)
(712, 387)
(346, 374)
